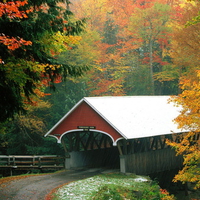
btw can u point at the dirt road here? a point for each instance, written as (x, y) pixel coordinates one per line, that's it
(37, 187)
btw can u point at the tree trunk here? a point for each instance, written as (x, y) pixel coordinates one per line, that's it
(151, 66)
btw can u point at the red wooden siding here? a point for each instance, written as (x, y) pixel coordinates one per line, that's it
(84, 115)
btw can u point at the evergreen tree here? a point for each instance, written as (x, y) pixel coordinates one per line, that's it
(29, 44)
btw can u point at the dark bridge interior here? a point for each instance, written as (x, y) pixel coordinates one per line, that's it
(91, 149)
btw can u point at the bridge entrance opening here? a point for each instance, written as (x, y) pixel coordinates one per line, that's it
(90, 149)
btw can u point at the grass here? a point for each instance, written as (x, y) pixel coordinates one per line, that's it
(114, 186)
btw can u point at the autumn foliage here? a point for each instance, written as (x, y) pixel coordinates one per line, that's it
(185, 55)
(133, 35)
(188, 119)
(13, 43)
(32, 35)
(11, 10)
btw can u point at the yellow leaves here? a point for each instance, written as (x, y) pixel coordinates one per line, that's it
(99, 68)
(15, 68)
(40, 104)
(189, 174)
(42, 67)
(31, 123)
(72, 40)
(185, 43)
(166, 195)
(191, 85)
(198, 73)
(57, 43)
(61, 39)
(189, 118)
(189, 99)
(169, 73)
(18, 72)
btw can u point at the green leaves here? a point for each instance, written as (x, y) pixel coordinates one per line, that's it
(48, 26)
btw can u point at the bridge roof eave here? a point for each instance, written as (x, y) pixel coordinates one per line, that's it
(59, 138)
(62, 119)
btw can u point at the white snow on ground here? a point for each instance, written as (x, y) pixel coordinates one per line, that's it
(82, 190)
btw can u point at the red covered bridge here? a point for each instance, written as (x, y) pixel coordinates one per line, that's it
(128, 132)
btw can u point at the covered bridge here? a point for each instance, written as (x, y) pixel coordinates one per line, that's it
(128, 132)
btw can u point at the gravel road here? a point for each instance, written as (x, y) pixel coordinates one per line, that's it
(37, 187)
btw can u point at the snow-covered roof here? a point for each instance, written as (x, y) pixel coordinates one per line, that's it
(137, 116)
(133, 116)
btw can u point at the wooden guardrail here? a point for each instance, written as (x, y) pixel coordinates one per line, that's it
(28, 161)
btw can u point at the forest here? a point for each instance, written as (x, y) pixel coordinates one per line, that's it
(53, 53)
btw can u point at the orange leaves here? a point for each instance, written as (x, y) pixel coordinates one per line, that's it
(11, 9)
(126, 31)
(46, 79)
(189, 174)
(166, 195)
(190, 101)
(109, 87)
(190, 148)
(13, 43)
(185, 145)
(188, 119)
(122, 11)
(185, 44)
(5, 181)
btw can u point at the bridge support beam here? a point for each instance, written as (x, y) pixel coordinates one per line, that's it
(122, 164)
